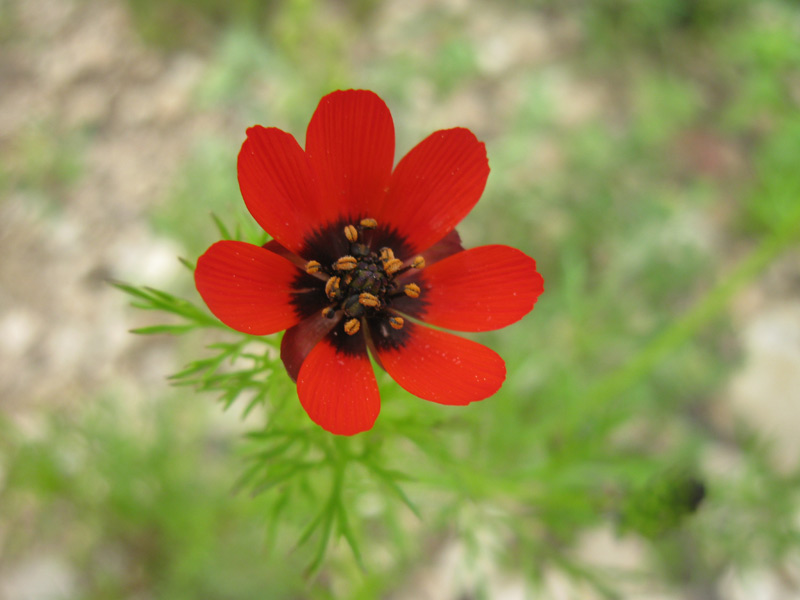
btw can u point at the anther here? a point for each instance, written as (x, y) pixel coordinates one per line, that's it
(332, 287)
(387, 254)
(418, 263)
(350, 233)
(396, 322)
(368, 223)
(392, 266)
(313, 266)
(412, 290)
(346, 263)
(352, 326)
(368, 299)
(327, 312)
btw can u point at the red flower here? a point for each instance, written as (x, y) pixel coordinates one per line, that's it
(361, 252)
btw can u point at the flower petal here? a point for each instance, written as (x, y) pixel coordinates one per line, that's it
(480, 289)
(350, 144)
(278, 185)
(435, 185)
(277, 248)
(447, 246)
(337, 388)
(247, 287)
(436, 365)
(299, 340)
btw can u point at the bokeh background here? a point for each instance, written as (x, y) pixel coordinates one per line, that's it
(644, 152)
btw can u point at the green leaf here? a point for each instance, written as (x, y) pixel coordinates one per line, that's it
(171, 329)
(347, 532)
(223, 229)
(389, 478)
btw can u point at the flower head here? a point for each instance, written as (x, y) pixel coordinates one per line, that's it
(361, 254)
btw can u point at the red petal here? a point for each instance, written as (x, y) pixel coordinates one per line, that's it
(435, 185)
(447, 246)
(338, 389)
(439, 366)
(298, 341)
(480, 289)
(350, 144)
(247, 287)
(278, 185)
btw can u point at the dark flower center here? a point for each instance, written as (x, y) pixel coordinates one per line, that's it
(363, 282)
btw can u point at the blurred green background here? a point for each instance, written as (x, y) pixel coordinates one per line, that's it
(645, 153)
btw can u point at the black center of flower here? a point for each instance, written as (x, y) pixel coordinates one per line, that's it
(362, 282)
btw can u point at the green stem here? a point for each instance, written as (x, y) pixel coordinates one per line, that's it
(711, 305)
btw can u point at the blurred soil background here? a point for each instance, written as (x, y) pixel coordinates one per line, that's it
(634, 145)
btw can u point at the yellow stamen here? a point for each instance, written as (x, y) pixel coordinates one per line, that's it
(392, 266)
(387, 254)
(327, 312)
(368, 299)
(368, 223)
(418, 263)
(396, 322)
(352, 326)
(313, 266)
(346, 263)
(332, 287)
(412, 290)
(350, 233)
